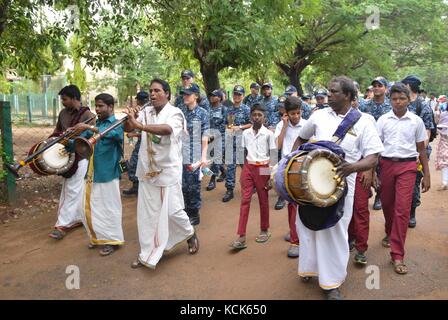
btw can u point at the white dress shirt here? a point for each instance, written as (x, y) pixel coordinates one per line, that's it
(292, 132)
(258, 144)
(168, 153)
(400, 135)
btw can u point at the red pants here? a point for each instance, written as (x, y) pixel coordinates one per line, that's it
(359, 225)
(292, 213)
(250, 178)
(397, 185)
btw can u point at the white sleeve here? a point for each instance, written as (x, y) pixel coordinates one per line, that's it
(420, 134)
(272, 144)
(243, 138)
(176, 122)
(308, 130)
(278, 129)
(370, 141)
(379, 128)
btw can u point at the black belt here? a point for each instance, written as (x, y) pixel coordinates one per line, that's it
(394, 159)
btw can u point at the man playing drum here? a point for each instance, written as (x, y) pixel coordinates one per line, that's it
(70, 201)
(325, 253)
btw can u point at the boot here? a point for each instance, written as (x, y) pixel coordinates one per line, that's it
(228, 196)
(377, 203)
(132, 190)
(221, 177)
(211, 184)
(193, 214)
(412, 221)
(280, 204)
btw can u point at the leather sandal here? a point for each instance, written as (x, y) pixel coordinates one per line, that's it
(399, 266)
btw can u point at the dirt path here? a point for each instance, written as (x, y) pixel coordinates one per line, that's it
(32, 266)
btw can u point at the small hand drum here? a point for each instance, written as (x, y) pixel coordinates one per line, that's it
(309, 178)
(55, 160)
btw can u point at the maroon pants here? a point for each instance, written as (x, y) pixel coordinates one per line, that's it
(358, 229)
(292, 213)
(397, 185)
(250, 178)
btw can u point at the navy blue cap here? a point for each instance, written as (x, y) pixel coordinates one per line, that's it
(381, 80)
(290, 89)
(194, 88)
(306, 97)
(187, 73)
(321, 93)
(216, 93)
(238, 89)
(142, 95)
(412, 79)
(254, 85)
(266, 84)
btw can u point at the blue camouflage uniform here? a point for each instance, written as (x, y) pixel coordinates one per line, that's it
(197, 124)
(375, 110)
(242, 117)
(273, 116)
(306, 111)
(218, 118)
(203, 102)
(426, 116)
(132, 166)
(249, 100)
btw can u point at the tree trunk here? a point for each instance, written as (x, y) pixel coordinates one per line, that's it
(210, 77)
(294, 79)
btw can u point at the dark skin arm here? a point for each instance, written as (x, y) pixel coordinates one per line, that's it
(132, 123)
(426, 181)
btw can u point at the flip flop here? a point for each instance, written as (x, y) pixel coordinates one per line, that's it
(261, 238)
(238, 245)
(386, 242)
(57, 234)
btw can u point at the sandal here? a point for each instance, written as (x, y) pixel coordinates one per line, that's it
(386, 242)
(238, 245)
(57, 234)
(399, 266)
(193, 244)
(136, 264)
(91, 246)
(107, 250)
(263, 237)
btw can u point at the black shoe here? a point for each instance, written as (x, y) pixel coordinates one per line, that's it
(222, 177)
(412, 221)
(211, 184)
(228, 196)
(351, 245)
(280, 204)
(333, 294)
(360, 258)
(132, 190)
(377, 203)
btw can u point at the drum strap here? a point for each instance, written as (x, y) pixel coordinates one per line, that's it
(349, 121)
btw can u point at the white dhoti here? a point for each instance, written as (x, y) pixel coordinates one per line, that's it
(161, 220)
(325, 253)
(70, 201)
(102, 216)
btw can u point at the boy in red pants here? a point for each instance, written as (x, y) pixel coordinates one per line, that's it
(403, 135)
(286, 134)
(259, 145)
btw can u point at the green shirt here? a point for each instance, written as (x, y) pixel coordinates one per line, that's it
(107, 151)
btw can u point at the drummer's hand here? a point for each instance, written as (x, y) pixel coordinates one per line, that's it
(366, 179)
(345, 169)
